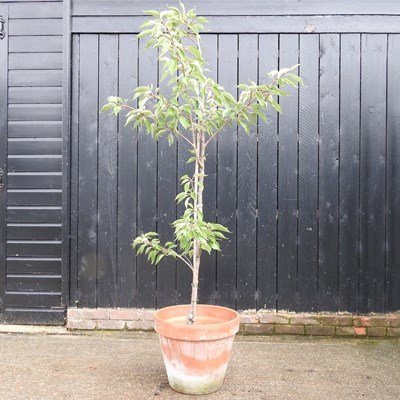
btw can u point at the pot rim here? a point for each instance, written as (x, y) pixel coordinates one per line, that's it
(227, 327)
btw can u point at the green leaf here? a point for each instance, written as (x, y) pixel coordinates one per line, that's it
(202, 19)
(147, 23)
(141, 249)
(106, 107)
(244, 126)
(275, 105)
(215, 246)
(144, 33)
(170, 139)
(220, 228)
(184, 122)
(185, 178)
(296, 78)
(153, 13)
(180, 197)
(159, 258)
(205, 246)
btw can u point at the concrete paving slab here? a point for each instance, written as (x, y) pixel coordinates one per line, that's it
(128, 365)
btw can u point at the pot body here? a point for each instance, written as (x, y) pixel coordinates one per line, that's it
(196, 356)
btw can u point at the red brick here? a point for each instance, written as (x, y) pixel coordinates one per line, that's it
(337, 320)
(304, 320)
(320, 330)
(289, 329)
(146, 314)
(393, 321)
(74, 313)
(349, 331)
(378, 320)
(140, 325)
(377, 331)
(258, 329)
(81, 324)
(110, 324)
(362, 321)
(248, 318)
(94, 313)
(124, 314)
(393, 332)
(360, 331)
(249, 312)
(272, 319)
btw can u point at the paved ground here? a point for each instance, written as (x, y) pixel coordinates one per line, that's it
(124, 365)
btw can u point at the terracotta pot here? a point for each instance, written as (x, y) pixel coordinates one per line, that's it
(196, 356)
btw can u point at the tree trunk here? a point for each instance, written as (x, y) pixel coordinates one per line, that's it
(198, 207)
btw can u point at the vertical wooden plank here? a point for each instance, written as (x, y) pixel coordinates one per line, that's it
(349, 184)
(3, 157)
(183, 273)
(207, 281)
(267, 190)
(287, 181)
(226, 177)
(393, 178)
(166, 207)
(74, 170)
(87, 196)
(107, 176)
(372, 172)
(308, 175)
(147, 183)
(247, 186)
(66, 194)
(127, 177)
(329, 173)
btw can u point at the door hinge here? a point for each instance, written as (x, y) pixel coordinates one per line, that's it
(2, 24)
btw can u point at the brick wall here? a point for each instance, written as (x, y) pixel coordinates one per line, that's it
(252, 323)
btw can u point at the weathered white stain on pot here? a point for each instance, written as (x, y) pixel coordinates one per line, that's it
(184, 376)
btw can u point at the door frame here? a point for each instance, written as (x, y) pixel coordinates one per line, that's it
(3, 156)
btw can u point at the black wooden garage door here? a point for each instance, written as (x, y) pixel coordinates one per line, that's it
(30, 158)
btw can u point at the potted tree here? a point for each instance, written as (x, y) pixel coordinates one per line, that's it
(196, 339)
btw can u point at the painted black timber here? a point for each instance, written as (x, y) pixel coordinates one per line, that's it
(3, 158)
(66, 152)
(127, 179)
(247, 185)
(307, 268)
(236, 7)
(249, 24)
(107, 176)
(207, 283)
(372, 173)
(288, 184)
(87, 234)
(73, 157)
(166, 211)
(294, 194)
(35, 78)
(328, 172)
(393, 178)
(349, 218)
(146, 183)
(35, 44)
(226, 177)
(267, 183)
